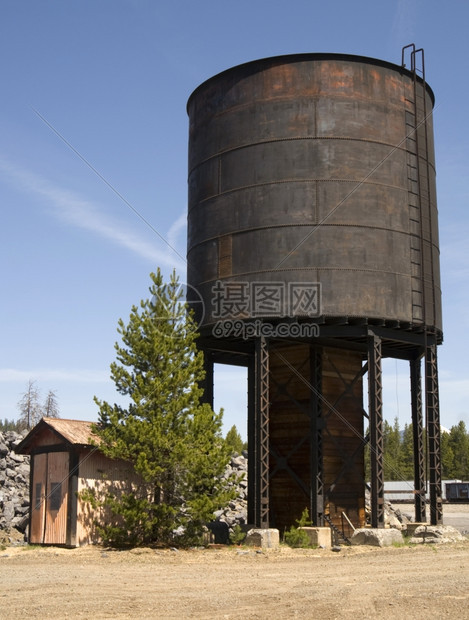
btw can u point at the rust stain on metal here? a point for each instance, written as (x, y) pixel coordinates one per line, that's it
(319, 141)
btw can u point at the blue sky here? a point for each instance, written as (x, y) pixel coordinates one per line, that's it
(93, 161)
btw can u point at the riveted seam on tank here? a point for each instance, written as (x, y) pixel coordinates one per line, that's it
(234, 276)
(283, 181)
(298, 225)
(356, 96)
(240, 147)
(416, 325)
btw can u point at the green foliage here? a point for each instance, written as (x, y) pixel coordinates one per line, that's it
(10, 425)
(458, 445)
(392, 451)
(173, 441)
(134, 520)
(447, 456)
(295, 536)
(398, 455)
(406, 461)
(237, 535)
(234, 441)
(405, 543)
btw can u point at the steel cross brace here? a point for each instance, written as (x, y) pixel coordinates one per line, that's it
(418, 437)
(433, 432)
(375, 405)
(317, 424)
(261, 370)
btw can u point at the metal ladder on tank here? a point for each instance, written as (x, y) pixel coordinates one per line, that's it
(418, 175)
(421, 215)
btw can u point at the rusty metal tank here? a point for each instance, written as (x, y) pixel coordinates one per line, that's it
(316, 168)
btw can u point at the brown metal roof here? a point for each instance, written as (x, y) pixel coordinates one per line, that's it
(74, 431)
(50, 431)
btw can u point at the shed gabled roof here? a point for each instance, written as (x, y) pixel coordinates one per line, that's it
(71, 432)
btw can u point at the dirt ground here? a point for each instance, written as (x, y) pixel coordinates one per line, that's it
(364, 582)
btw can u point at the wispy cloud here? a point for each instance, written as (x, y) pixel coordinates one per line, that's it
(454, 258)
(176, 228)
(13, 375)
(403, 27)
(78, 212)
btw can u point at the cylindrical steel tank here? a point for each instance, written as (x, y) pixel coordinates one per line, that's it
(316, 168)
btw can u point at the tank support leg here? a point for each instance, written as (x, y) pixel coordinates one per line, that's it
(433, 431)
(417, 430)
(317, 424)
(375, 405)
(258, 428)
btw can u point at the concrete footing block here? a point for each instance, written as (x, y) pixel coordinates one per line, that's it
(319, 536)
(268, 538)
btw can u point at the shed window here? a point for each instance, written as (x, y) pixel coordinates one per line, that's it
(55, 496)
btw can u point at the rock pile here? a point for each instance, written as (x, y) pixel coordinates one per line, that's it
(236, 511)
(393, 517)
(14, 491)
(14, 484)
(14, 495)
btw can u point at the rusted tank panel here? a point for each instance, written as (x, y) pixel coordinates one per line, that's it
(303, 169)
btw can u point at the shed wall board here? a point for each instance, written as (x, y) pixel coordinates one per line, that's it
(100, 474)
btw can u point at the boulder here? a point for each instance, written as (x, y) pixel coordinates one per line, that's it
(436, 534)
(376, 537)
(3, 449)
(220, 532)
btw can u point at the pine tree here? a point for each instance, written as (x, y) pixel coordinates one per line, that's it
(459, 444)
(234, 440)
(447, 456)
(392, 447)
(10, 425)
(406, 464)
(174, 441)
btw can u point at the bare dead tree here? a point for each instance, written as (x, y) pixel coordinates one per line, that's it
(29, 406)
(51, 406)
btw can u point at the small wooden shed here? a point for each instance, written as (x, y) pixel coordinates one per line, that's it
(64, 463)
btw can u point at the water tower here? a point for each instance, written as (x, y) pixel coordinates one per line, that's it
(313, 245)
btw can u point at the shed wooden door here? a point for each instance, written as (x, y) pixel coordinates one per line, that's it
(50, 498)
(38, 495)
